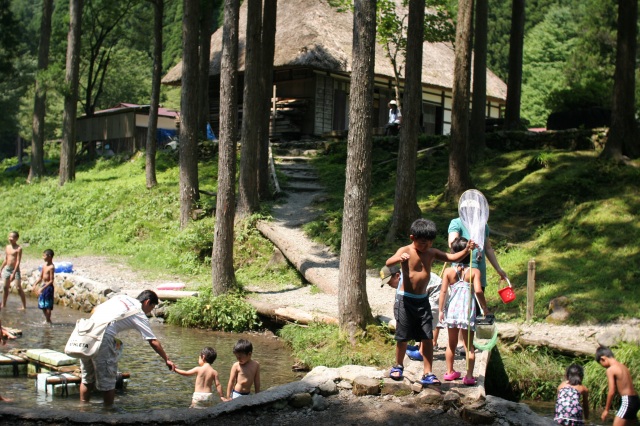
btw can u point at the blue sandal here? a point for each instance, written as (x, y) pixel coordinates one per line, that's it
(430, 379)
(398, 370)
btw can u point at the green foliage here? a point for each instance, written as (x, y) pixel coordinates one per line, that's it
(595, 378)
(229, 312)
(542, 160)
(108, 210)
(570, 211)
(535, 372)
(322, 344)
(547, 47)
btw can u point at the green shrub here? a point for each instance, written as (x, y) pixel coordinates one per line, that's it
(229, 312)
(322, 344)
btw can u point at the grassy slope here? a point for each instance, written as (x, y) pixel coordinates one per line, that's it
(571, 212)
(108, 210)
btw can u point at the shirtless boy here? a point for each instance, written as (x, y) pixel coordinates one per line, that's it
(206, 377)
(413, 311)
(45, 293)
(244, 373)
(619, 381)
(10, 269)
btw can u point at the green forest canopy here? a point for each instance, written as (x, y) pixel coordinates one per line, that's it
(569, 57)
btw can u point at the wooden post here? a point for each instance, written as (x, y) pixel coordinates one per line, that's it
(273, 111)
(531, 288)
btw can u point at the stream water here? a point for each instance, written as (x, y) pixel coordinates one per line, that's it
(151, 384)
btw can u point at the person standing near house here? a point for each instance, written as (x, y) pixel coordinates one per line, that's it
(395, 118)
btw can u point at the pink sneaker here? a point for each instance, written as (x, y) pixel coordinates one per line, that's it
(452, 376)
(469, 381)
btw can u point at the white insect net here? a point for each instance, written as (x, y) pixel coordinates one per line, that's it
(474, 213)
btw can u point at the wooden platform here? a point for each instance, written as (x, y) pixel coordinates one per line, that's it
(12, 365)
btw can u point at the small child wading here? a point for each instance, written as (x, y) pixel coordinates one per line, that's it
(569, 411)
(245, 373)
(458, 310)
(45, 293)
(206, 377)
(620, 381)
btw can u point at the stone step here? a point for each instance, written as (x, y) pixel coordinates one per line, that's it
(293, 177)
(304, 144)
(302, 187)
(296, 152)
(293, 167)
(291, 159)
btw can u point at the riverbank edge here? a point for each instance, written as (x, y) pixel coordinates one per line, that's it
(312, 393)
(84, 294)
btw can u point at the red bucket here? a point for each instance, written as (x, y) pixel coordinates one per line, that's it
(507, 294)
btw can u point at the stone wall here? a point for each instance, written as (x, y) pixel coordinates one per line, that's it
(73, 291)
(574, 139)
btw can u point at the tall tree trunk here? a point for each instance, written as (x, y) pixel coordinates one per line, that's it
(459, 177)
(71, 80)
(189, 111)
(354, 312)
(514, 84)
(222, 271)
(622, 135)
(248, 201)
(266, 82)
(39, 104)
(152, 126)
(479, 99)
(405, 206)
(206, 28)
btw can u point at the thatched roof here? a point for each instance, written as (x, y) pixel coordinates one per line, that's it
(311, 33)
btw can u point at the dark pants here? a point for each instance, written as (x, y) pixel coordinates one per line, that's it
(392, 129)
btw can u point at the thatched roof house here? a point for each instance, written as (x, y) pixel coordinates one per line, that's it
(312, 65)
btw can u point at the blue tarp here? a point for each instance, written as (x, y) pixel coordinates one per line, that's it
(210, 135)
(164, 136)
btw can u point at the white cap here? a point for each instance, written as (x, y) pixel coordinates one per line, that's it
(392, 102)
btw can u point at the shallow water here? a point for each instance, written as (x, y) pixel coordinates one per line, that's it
(151, 384)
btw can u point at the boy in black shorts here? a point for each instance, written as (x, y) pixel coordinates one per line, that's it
(412, 310)
(619, 381)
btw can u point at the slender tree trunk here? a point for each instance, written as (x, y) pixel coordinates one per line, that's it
(71, 80)
(459, 177)
(206, 28)
(266, 82)
(514, 85)
(354, 312)
(405, 206)
(152, 126)
(222, 272)
(622, 138)
(248, 201)
(479, 99)
(39, 104)
(189, 111)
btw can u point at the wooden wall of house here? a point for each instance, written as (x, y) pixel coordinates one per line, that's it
(323, 103)
(105, 127)
(300, 88)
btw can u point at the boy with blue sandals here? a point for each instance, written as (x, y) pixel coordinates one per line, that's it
(412, 309)
(393, 277)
